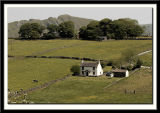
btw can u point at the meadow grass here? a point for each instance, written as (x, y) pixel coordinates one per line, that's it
(146, 59)
(92, 90)
(22, 72)
(144, 37)
(109, 50)
(32, 47)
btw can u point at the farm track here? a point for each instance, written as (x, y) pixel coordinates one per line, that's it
(144, 52)
(38, 87)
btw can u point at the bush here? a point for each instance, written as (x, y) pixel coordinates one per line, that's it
(110, 63)
(103, 64)
(75, 69)
(129, 68)
(139, 63)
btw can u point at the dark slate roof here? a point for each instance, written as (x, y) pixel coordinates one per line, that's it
(89, 64)
(119, 70)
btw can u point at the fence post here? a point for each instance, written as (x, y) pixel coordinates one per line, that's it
(125, 91)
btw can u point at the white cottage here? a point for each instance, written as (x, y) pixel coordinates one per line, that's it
(91, 69)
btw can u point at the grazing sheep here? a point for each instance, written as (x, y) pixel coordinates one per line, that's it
(35, 80)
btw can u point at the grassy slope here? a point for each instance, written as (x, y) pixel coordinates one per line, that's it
(147, 59)
(92, 90)
(104, 50)
(21, 72)
(26, 47)
(91, 49)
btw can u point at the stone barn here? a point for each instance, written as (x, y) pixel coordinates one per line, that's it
(120, 73)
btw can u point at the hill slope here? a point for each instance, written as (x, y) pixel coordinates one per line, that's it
(14, 27)
(148, 29)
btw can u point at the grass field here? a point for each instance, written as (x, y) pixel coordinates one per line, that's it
(109, 50)
(147, 59)
(33, 47)
(92, 90)
(22, 71)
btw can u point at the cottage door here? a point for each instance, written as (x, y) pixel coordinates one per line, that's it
(87, 73)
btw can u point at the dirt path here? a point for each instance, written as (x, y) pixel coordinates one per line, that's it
(144, 52)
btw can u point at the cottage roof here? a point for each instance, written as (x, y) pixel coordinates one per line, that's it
(89, 64)
(119, 70)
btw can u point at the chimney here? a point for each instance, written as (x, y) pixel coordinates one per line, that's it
(99, 62)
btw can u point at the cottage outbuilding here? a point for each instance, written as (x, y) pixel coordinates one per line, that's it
(91, 68)
(120, 73)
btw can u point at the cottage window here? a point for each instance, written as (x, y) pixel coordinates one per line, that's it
(93, 68)
(82, 68)
(82, 72)
(93, 73)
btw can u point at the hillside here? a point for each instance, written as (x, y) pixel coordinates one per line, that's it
(13, 27)
(148, 29)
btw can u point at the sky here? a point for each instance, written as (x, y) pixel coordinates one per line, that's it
(142, 14)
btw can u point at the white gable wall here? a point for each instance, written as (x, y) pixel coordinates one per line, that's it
(127, 73)
(99, 70)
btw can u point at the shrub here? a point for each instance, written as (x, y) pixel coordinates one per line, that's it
(129, 68)
(75, 69)
(103, 64)
(139, 63)
(110, 63)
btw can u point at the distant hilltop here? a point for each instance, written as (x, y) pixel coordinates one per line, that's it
(148, 29)
(14, 27)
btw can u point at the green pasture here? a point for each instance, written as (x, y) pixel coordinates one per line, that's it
(147, 59)
(109, 50)
(91, 49)
(22, 72)
(93, 90)
(34, 47)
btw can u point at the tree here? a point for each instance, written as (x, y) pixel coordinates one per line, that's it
(75, 69)
(52, 28)
(118, 29)
(105, 26)
(66, 29)
(52, 32)
(82, 32)
(139, 63)
(128, 56)
(132, 27)
(31, 31)
(92, 32)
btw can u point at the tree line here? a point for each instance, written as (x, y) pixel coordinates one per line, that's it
(124, 28)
